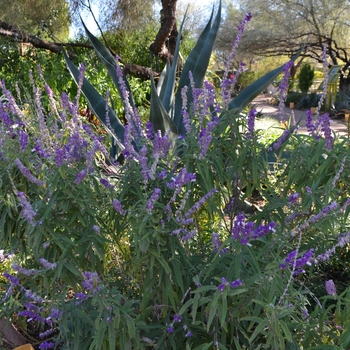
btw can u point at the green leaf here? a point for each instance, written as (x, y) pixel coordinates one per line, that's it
(98, 105)
(213, 310)
(286, 331)
(120, 82)
(254, 89)
(205, 346)
(258, 329)
(197, 63)
(160, 118)
(345, 338)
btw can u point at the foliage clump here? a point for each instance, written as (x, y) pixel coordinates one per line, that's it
(306, 77)
(207, 239)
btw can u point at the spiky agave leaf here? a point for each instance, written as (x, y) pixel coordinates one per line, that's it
(197, 63)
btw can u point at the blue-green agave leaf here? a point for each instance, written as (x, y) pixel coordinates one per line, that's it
(110, 63)
(253, 90)
(98, 105)
(169, 86)
(162, 81)
(159, 117)
(197, 63)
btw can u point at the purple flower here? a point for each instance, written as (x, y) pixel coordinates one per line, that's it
(330, 288)
(81, 296)
(334, 205)
(91, 282)
(244, 231)
(221, 287)
(198, 204)
(310, 126)
(46, 333)
(177, 318)
(26, 172)
(293, 198)
(118, 207)
(28, 213)
(154, 197)
(80, 176)
(24, 271)
(188, 334)
(170, 329)
(56, 314)
(185, 115)
(31, 315)
(205, 137)
(96, 228)
(162, 175)
(278, 143)
(235, 283)
(283, 87)
(295, 263)
(46, 345)
(181, 179)
(251, 122)
(149, 130)
(106, 184)
(225, 81)
(14, 280)
(161, 145)
(47, 265)
(23, 139)
(60, 156)
(327, 131)
(305, 314)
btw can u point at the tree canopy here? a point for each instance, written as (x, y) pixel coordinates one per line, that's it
(45, 18)
(282, 27)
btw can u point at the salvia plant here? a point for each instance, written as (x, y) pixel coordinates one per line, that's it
(195, 241)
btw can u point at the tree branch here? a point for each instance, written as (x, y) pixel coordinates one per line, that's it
(20, 36)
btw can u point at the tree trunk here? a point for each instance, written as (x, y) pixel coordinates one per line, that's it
(163, 45)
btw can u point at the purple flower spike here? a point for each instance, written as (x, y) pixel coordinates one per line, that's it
(154, 197)
(177, 318)
(26, 172)
(236, 283)
(118, 207)
(27, 212)
(47, 265)
(293, 198)
(80, 176)
(106, 184)
(221, 287)
(251, 122)
(46, 345)
(330, 288)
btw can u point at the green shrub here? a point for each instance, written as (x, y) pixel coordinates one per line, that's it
(306, 77)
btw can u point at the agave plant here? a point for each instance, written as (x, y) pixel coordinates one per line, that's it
(166, 105)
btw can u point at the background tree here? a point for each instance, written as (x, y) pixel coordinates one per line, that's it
(281, 27)
(45, 18)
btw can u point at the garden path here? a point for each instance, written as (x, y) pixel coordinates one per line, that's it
(337, 125)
